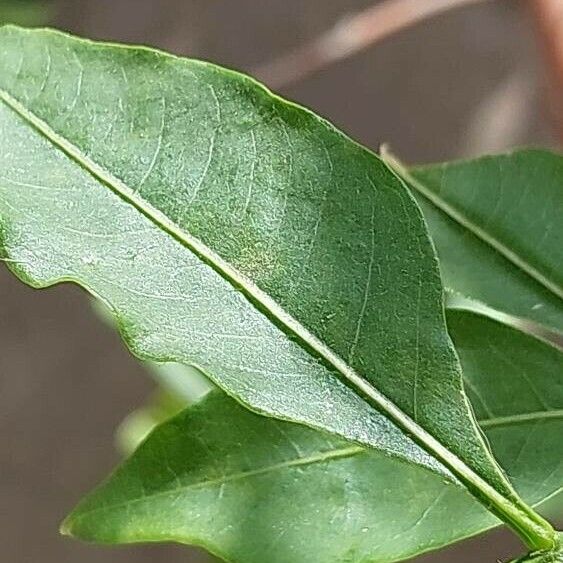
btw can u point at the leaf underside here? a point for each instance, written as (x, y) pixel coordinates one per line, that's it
(237, 232)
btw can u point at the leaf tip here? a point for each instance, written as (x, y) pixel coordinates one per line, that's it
(65, 528)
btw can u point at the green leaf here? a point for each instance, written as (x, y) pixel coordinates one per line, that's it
(179, 386)
(234, 231)
(139, 423)
(253, 489)
(496, 222)
(25, 12)
(514, 382)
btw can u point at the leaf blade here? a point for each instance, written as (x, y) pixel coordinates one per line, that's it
(122, 152)
(495, 223)
(338, 503)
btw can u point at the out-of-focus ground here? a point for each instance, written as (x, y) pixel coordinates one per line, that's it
(467, 82)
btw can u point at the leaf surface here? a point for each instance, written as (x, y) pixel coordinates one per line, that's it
(234, 231)
(254, 489)
(496, 222)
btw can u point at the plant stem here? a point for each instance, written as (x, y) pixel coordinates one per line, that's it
(548, 16)
(553, 556)
(349, 36)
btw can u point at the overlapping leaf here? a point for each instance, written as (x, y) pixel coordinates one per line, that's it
(254, 489)
(497, 225)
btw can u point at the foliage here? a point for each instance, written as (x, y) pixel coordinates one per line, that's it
(233, 231)
(294, 487)
(25, 12)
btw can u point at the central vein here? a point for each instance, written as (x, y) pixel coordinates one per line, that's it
(509, 509)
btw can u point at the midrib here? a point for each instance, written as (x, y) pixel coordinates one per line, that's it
(460, 218)
(321, 457)
(498, 502)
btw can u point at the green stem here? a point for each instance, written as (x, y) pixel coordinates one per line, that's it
(552, 556)
(537, 533)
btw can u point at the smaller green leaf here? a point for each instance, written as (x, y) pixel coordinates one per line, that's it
(496, 223)
(179, 386)
(139, 424)
(25, 12)
(186, 383)
(253, 489)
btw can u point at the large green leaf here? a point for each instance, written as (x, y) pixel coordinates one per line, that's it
(254, 489)
(498, 228)
(237, 232)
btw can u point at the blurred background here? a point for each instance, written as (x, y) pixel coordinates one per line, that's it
(483, 77)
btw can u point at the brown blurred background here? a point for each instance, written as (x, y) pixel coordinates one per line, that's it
(469, 81)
